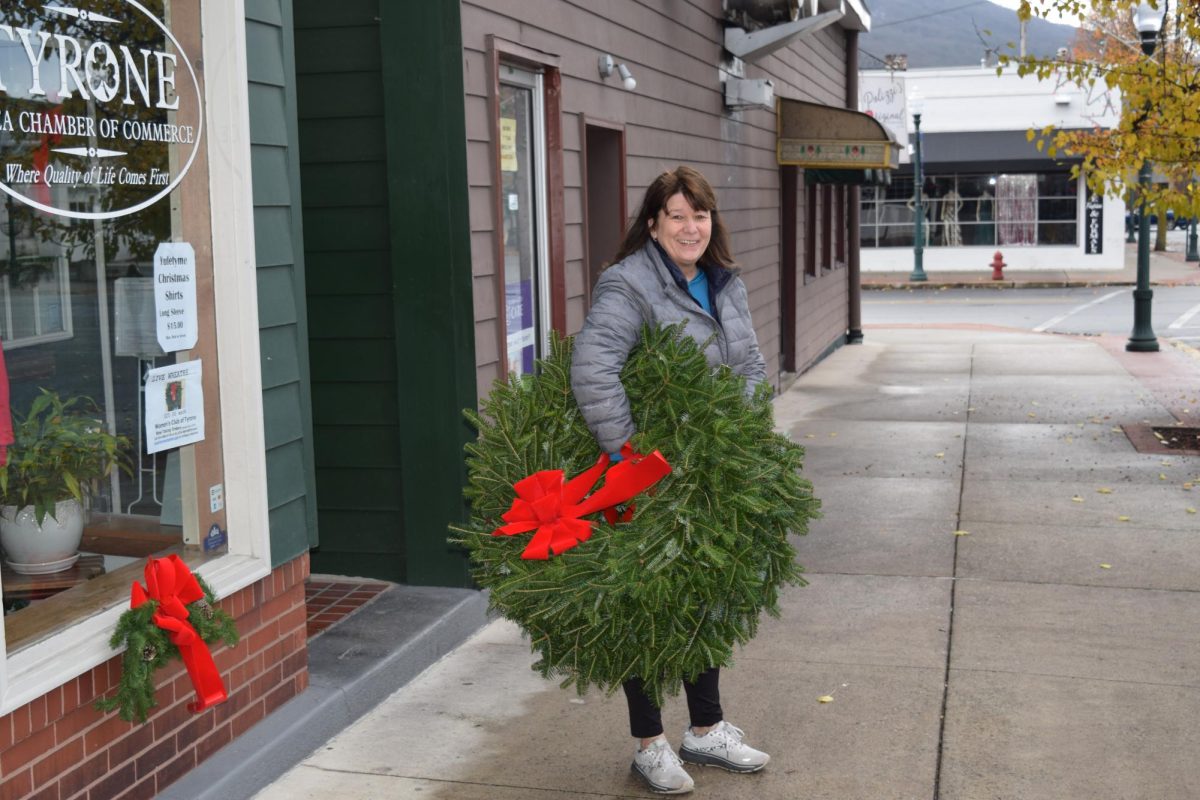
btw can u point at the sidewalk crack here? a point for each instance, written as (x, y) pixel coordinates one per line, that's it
(954, 578)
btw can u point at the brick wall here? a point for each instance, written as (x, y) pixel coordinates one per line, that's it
(58, 747)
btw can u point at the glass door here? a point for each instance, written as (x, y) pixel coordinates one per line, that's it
(523, 202)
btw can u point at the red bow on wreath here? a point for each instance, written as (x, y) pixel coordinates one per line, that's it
(173, 586)
(550, 504)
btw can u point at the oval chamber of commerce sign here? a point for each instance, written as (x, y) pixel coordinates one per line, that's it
(101, 110)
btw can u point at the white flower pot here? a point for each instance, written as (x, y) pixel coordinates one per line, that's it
(33, 549)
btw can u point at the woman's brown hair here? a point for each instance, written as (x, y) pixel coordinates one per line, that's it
(699, 194)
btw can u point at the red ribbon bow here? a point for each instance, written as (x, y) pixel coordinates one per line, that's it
(172, 585)
(550, 504)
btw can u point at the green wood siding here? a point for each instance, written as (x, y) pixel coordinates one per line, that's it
(386, 244)
(283, 326)
(431, 270)
(346, 243)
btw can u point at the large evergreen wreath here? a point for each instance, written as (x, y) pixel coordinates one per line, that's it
(667, 594)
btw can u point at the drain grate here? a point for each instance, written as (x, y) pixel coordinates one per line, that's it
(1164, 439)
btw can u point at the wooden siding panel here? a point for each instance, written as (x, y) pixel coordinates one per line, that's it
(352, 360)
(273, 237)
(366, 403)
(484, 297)
(365, 446)
(285, 474)
(340, 272)
(325, 140)
(482, 208)
(389, 520)
(339, 50)
(486, 377)
(342, 95)
(267, 11)
(280, 359)
(479, 161)
(290, 518)
(343, 13)
(264, 53)
(351, 317)
(483, 254)
(327, 184)
(345, 229)
(351, 489)
(478, 123)
(271, 166)
(282, 405)
(277, 296)
(485, 343)
(268, 115)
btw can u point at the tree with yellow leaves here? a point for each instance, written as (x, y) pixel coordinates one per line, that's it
(1160, 97)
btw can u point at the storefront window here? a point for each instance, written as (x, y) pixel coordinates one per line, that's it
(106, 294)
(974, 210)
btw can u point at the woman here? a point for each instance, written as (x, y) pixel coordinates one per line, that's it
(674, 266)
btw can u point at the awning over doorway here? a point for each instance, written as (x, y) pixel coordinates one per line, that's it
(815, 136)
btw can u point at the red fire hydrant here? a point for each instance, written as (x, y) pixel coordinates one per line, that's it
(997, 267)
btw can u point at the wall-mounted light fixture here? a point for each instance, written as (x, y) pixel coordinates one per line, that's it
(607, 66)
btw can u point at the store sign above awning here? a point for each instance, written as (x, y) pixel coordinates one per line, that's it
(100, 114)
(814, 135)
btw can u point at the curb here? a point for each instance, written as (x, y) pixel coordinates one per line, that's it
(352, 667)
(939, 285)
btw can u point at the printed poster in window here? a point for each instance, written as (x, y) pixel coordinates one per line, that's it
(174, 406)
(508, 144)
(175, 296)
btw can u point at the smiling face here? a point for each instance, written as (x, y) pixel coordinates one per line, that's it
(683, 232)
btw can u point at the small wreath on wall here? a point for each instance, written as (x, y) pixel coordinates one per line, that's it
(175, 615)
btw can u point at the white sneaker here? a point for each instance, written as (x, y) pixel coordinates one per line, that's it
(661, 768)
(722, 747)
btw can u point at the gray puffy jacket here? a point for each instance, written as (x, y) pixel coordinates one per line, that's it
(640, 290)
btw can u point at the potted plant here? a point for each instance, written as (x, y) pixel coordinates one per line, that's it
(61, 449)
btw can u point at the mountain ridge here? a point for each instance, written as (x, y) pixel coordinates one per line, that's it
(952, 33)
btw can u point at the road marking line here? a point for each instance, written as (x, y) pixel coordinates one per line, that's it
(1187, 315)
(1076, 310)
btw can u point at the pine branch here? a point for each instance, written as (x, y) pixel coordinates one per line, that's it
(148, 649)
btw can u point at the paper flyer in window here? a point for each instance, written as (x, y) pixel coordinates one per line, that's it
(175, 296)
(174, 406)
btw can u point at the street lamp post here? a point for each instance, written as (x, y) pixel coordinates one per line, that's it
(916, 105)
(1148, 21)
(1192, 254)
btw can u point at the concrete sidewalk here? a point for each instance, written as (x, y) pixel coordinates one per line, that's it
(1003, 604)
(1169, 268)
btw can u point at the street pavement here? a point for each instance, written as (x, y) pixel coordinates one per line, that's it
(1004, 603)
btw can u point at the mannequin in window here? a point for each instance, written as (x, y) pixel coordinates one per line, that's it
(986, 231)
(952, 203)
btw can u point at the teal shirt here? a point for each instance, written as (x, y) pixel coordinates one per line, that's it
(698, 288)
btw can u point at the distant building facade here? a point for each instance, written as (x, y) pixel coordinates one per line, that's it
(986, 185)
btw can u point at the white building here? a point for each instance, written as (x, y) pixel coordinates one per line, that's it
(987, 187)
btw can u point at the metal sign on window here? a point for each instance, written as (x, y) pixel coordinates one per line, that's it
(101, 112)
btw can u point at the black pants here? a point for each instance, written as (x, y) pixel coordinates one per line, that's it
(703, 699)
